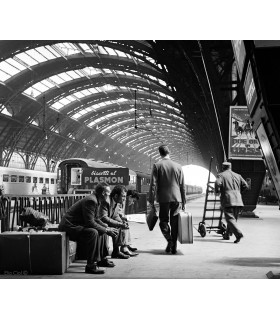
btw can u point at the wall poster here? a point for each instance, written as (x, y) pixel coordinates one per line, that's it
(242, 138)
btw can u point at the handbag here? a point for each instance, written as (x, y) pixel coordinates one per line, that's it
(151, 217)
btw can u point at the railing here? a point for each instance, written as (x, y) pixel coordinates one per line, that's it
(53, 207)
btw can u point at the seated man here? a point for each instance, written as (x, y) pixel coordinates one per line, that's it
(109, 214)
(80, 222)
(131, 197)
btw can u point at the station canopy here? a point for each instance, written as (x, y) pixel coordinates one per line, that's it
(114, 101)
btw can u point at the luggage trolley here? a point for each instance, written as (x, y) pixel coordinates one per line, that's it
(212, 203)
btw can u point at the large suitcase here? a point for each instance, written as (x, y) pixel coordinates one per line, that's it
(185, 227)
(33, 253)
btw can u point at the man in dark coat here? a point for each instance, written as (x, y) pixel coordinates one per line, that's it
(81, 222)
(168, 188)
(230, 185)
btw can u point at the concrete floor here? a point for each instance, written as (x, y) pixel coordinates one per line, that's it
(207, 258)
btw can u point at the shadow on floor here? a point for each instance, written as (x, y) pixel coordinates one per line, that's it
(252, 262)
(160, 252)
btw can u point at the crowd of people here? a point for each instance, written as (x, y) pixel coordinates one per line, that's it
(100, 215)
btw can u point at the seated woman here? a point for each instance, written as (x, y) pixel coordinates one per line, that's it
(109, 213)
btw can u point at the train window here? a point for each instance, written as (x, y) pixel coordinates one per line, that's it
(52, 180)
(41, 180)
(5, 178)
(13, 178)
(35, 179)
(28, 179)
(47, 180)
(21, 179)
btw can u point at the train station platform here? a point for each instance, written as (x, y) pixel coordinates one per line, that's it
(257, 256)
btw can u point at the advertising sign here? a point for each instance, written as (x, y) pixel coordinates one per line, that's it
(269, 158)
(240, 54)
(76, 175)
(92, 176)
(250, 89)
(242, 141)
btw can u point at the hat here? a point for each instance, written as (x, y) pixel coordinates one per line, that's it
(226, 165)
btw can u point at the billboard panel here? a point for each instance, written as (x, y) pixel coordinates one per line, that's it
(250, 89)
(269, 158)
(242, 141)
(92, 176)
(239, 54)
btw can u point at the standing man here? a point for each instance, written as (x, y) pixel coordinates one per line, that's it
(231, 185)
(81, 222)
(168, 188)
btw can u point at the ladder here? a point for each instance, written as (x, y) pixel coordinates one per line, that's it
(211, 204)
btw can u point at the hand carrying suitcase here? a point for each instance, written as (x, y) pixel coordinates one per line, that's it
(185, 227)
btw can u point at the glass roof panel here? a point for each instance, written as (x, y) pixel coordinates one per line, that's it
(46, 53)
(40, 87)
(3, 75)
(7, 68)
(56, 79)
(65, 76)
(16, 64)
(27, 59)
(36, 55)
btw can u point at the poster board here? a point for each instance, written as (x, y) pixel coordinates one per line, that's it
(243, 143)
(269, 158)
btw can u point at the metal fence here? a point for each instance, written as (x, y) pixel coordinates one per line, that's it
(52, 206)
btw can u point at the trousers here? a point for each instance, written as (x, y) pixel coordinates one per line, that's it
(166, 213)
(96, 243)
(231, 216)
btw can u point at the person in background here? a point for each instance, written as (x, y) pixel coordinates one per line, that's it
(230, 185)
(109, 214)
(168, 188)
(81, 221)
(131, 197)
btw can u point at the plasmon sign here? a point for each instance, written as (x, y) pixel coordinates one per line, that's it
(112, 176)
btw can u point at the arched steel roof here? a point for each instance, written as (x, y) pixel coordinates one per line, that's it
(114, 101)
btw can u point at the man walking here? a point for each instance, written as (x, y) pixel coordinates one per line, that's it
(168, 188)
(231, 185)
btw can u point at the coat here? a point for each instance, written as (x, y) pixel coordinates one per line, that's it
(167, 182)
(83, 214)
(230, 185)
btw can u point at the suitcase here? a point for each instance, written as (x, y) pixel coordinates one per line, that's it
(33, 253)
(185, 227)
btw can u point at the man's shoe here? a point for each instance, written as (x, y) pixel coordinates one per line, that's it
(168, 247)
(129, 253)
(238, 238)
(119, 255)
(94, 270)
(106, 263)
(173, 249)
(132, 248)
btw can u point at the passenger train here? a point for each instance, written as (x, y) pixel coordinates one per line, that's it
(75, 175)
(27, 182)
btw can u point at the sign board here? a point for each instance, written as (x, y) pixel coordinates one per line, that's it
(242, 139)
(269, 158)
(250, 89)
(239, 54)
(92, 176)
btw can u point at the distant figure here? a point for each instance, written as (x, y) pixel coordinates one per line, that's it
(2, 203)
(168, 188)
(230, 185)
